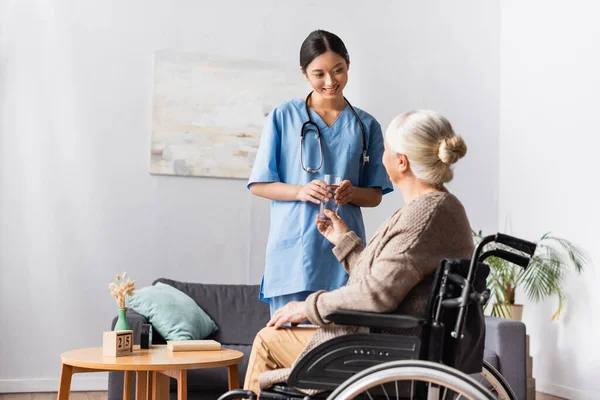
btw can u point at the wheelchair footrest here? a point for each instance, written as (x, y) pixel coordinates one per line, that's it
(284, 392)
(336, 360)
(238, 394)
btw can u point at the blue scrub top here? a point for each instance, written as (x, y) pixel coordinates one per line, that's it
(298, 257)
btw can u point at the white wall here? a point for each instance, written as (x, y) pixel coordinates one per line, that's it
(77, 203)
(549, 143)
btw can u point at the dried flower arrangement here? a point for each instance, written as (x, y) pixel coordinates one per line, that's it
(121, 288)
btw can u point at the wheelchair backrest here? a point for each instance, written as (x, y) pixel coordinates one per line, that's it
(466, 353)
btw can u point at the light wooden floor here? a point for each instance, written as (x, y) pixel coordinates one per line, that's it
(544, 396)
(52, 396)
(104, 396)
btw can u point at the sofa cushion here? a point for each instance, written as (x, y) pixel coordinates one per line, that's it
(236, 309)
(172, 313)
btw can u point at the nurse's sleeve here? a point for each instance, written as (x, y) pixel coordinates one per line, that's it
(266, 163)
(374, 174)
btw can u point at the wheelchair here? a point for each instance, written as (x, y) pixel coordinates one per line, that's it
(433, 365)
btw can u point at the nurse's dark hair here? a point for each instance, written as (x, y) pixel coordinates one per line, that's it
(319, 42)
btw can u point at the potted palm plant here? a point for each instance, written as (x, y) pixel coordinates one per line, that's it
(543, 278)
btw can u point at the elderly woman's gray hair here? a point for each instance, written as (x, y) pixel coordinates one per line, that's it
(427, 139)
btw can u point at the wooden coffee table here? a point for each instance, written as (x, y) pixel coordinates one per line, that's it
(153, 367)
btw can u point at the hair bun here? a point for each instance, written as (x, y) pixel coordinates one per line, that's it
(452, 149)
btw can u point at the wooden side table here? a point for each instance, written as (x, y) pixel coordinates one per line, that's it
(153, 368)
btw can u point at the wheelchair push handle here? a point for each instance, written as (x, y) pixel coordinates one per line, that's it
(517, 259)
(507, 240)
(516, 243)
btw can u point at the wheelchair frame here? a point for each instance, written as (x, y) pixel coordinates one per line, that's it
(337, 361)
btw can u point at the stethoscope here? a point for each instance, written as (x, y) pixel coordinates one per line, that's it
(310, 125)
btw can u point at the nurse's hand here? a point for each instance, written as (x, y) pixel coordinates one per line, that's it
(344, 192)
(293, 312)
(315, 192)
(334, 229)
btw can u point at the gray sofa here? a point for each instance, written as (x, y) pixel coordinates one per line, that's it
(239, 314)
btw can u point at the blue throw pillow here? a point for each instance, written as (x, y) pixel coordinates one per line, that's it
(172, 313)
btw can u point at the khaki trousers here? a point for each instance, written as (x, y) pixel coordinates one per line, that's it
(274, 349)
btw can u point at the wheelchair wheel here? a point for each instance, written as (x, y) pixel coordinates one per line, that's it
(410, 379)
(495, 382)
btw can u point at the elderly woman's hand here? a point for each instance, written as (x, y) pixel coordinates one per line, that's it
(344, 194)
(334, 229)
(293, 312)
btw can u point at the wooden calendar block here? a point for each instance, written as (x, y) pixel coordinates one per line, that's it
(117, 343)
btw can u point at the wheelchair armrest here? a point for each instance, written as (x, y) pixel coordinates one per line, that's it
(374, 320)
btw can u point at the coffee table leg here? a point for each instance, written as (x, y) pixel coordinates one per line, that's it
(141, 385)
(127, 378)
(64, 387)
(160, 386)
(150, 385)
(233, 377)
(182, 385)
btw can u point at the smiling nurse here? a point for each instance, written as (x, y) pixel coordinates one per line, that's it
(304, 139)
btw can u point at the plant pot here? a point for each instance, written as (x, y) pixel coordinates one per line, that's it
(122, 324)
(510, 311)
(516, 312)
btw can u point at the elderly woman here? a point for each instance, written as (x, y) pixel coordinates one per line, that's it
(388, 274)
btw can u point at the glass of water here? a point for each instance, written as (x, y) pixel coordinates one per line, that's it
(332, 182)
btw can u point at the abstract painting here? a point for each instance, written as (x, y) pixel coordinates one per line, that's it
(208, 112)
